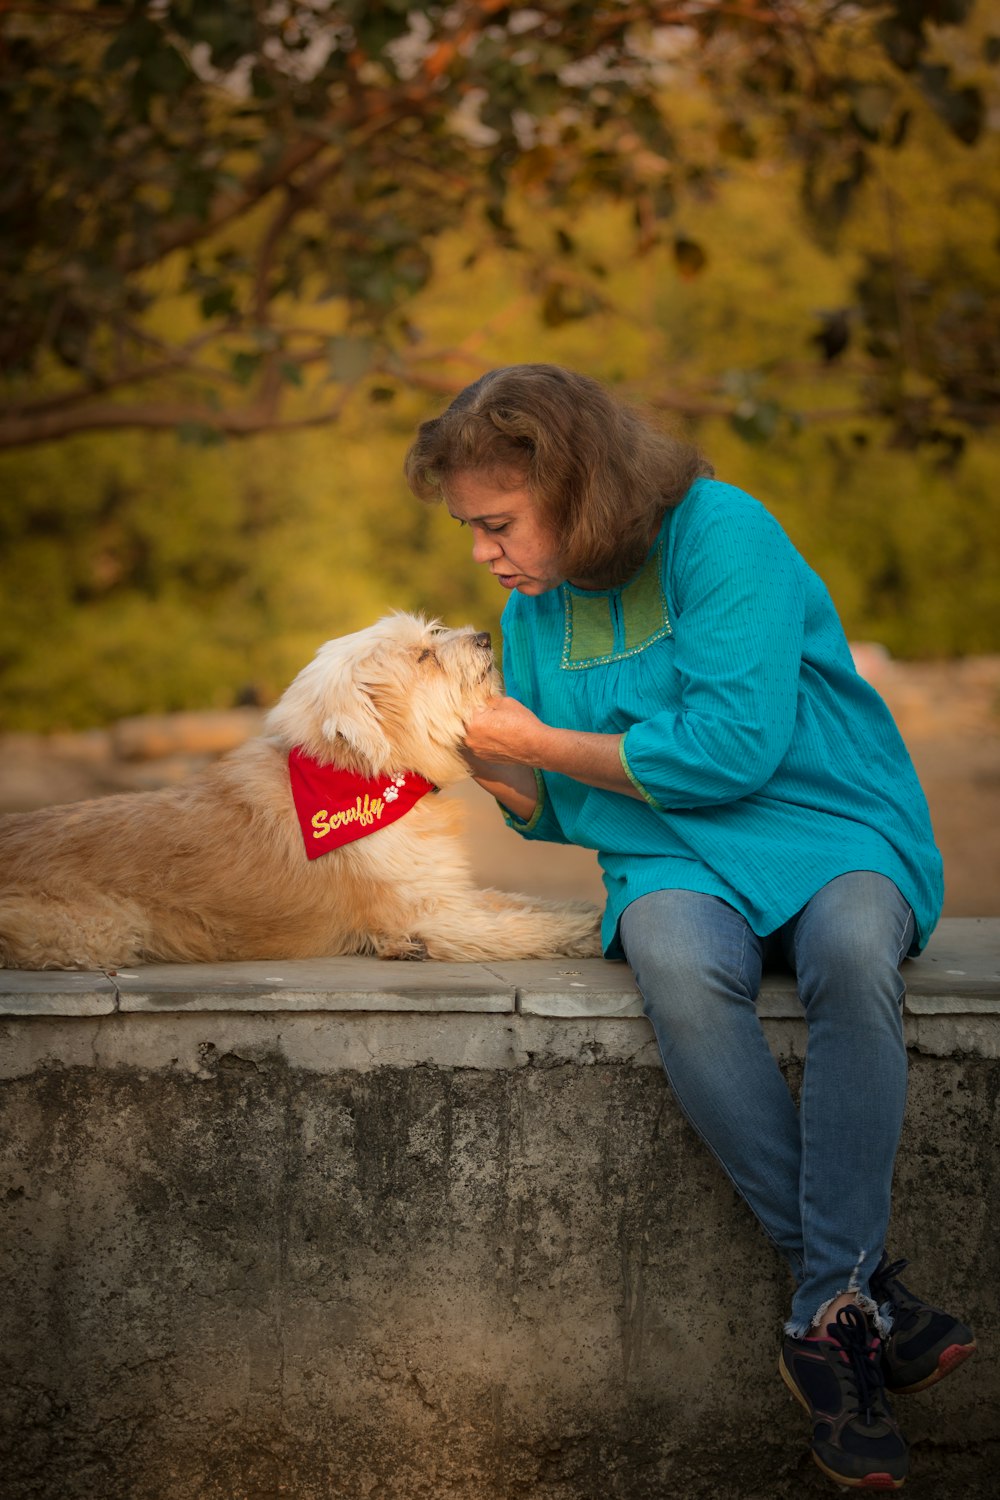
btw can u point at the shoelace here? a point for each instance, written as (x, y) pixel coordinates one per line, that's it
(904, 1314)
(889, 1272)
(851, 1332)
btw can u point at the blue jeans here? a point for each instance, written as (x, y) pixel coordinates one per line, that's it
(819, 1177)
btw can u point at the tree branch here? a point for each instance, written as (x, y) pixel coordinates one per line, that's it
(177, 359)
(226, 207)
(374, 116)
(67, 12)
(25, 432)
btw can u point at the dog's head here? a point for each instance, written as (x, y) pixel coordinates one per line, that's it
(393, 697)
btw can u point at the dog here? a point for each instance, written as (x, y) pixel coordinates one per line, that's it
(322, 838)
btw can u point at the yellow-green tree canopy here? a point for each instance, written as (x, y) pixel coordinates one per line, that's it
(219, 215)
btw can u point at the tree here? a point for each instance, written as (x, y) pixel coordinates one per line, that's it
(221, 214)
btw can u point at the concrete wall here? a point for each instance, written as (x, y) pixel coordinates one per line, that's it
(380, 1233)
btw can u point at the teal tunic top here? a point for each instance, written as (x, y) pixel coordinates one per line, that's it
(766, 765)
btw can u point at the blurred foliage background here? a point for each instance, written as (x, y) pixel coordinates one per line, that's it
(248, 247)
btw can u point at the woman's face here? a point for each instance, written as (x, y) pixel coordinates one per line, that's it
(508, 535)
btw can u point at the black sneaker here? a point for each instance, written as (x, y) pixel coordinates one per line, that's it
(838, 1379)
(925, 1344)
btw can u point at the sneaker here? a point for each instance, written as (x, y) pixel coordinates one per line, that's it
(838, 1379)
(925, 1343)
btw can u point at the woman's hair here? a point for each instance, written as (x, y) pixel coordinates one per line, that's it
(600, 474)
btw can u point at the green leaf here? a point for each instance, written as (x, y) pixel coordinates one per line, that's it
(229, 30)
(262, 86)
(961, 109)
(735, 139)
(563, 303)
(873, 105)
(199, 434)
(937, 12)
(756, 421)
(740, 383)
(219, 302)
(374, 31)
(689, 257)
(165, 71)
(83, 118)
(350, 358)
(134, 39)
(265, 338)
(244, 366)
(904, 44)
(192, 197)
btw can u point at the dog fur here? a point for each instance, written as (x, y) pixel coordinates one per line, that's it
(214, 869)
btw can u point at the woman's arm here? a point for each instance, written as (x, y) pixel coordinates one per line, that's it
(513, 786)
(508, 741)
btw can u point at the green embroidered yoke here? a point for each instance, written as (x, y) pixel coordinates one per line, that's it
(766, 765)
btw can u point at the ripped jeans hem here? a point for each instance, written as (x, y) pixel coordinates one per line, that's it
(880, 1314)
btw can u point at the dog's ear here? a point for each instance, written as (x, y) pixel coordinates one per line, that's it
(328, 707)
(357, 727)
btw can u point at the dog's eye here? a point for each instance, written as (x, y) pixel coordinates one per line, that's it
(427, 655)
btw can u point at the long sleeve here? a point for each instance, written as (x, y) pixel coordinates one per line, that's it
(738, 600)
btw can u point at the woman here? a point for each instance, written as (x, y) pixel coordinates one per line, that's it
(681, 698)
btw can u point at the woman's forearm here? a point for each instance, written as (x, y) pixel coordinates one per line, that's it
(505, 742)
(512, 785)
(594, 759)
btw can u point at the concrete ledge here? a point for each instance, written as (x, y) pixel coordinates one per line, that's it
(340, 1231)
(277, 985)
(952, 1006)
(959, 972)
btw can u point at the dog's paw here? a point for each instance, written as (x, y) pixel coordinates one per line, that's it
(581, 932)
(581, 944)
(589, 946)
(409, 948)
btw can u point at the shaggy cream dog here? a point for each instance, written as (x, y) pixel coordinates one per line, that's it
(224, 866)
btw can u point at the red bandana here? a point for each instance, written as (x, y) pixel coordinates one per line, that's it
(336, 807)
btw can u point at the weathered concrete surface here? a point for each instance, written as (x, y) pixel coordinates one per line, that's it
(412, 1256)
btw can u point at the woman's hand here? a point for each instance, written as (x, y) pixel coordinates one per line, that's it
(504, 731)
(496, 748)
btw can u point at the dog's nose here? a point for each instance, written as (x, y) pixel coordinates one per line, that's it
(483, 639)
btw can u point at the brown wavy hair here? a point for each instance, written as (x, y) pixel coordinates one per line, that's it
(600, 473)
